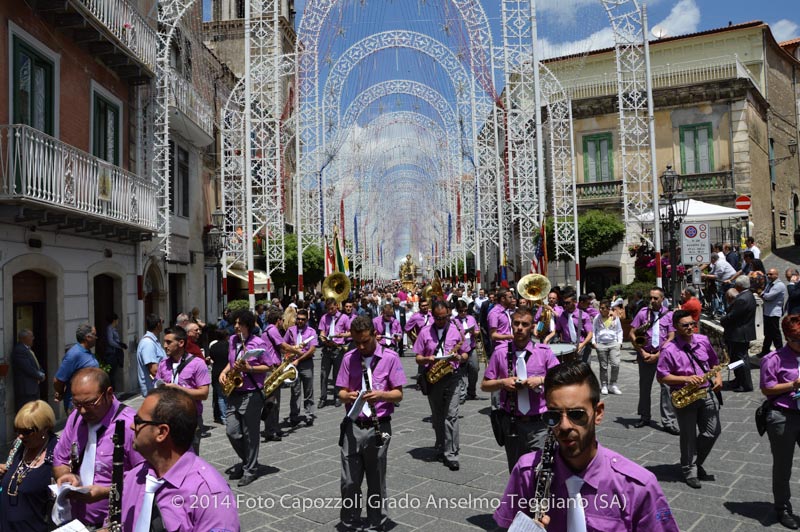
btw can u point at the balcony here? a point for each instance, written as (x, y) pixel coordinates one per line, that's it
(602, 193)
(716, 186)
(192, 116)
(54, 183)
(111, 30)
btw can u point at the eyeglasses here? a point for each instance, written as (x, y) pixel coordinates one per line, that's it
(25, 432)
(576, 416)
(687, 324)
(87, 404)
(655, 297)
(137, 421)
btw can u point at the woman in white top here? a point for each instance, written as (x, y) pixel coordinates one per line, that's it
(607, 339)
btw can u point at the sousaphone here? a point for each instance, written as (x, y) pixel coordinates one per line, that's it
(336, 286)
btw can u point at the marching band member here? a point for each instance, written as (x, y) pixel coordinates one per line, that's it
(363, 454)
(418, 321)
(332, 332)
(522, 427)
(780, 382)
(684, 361)
(388, 328)
(470, 369)
(574, 326)
(659, 332)
(246, 402)
(442, 339)
(592, 488)
(174, 489)
(89, 430)
(499, 318)
(303, 340)
(273, 340)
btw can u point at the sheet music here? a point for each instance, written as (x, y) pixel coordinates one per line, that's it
(254, 353)
(358, 404)
(523, 523)
(72, 526)
(62, 508)
(734, 365)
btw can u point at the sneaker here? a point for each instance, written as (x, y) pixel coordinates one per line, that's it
(604, 390)
(615, 390)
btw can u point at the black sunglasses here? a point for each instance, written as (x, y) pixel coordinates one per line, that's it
(576, 416)
(25, 432)
(137, 421)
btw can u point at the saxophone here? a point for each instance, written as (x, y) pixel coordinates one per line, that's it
(640, 335)
(285, 372)
(694, 392)
(234, 378)
(118, 465)
(440, 369)
(544, 475)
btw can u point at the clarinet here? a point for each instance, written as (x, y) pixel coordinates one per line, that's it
(380, 437)
(118, 464)
(74, 459)
(544, 475)
(511, 397)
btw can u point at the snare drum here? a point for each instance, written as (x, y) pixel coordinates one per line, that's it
(566, 353)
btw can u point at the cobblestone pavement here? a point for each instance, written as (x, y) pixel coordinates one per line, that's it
(304, 467)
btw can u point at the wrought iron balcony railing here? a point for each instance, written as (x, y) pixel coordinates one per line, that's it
(610, 191)
(41, 171)
(125, 23)
(711, 183)
(184, 97)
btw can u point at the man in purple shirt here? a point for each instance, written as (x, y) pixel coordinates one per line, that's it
(468, 372)
(363, 452)
(780, 380)
(574, 326)
(332, 333)
(659, 330)
(592, 487)
(418, 321)
(303, 342)
(274, 343)
(684, 361)
(439, 340)
(91, 428)
(499, 318)
(523, 428)
(248, 355)
(173, 488)
(388, 328)
(185, 371)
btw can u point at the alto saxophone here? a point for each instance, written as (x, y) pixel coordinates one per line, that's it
(285, 372)
(234, 378)
(694, 392)
(440, 369)
(640, 335)
(544, 475)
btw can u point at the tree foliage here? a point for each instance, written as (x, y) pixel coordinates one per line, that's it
(598, 233)
(313, 265)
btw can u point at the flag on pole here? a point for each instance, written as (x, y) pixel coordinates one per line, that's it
(329, 262)
(355, 232)
(340, 261)
(449, 231)
(541, 255)
(504, 273)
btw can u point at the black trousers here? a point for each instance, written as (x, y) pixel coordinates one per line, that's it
(772, 334)
(739, 351)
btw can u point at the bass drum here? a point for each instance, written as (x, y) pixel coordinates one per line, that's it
(566, 353)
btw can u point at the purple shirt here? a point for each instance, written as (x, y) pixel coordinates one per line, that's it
(77, 430)
(499, 318)
(194, 375)
(674, 359)
(207, 502)
(266, 358)
(273, 340)
(381, 326)
(387, 374)
(617, 494)
(557, 311)
(780, 367)
(469, 329)
(308, 335)
(342, 325)
(540, 359)
(418, 321)
(591, 311)
(428, 339)
(582, 321)
(664, 326)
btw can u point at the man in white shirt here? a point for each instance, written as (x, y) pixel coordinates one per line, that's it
(149, 353)
(751, 246)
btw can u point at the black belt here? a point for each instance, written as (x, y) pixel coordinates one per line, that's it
(524, 419)
(369, 423)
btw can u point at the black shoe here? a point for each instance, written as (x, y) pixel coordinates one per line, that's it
(672, 430)
(310, 422)
(219, 421)
(294, 422)
(337, 403)
(321, 403)
(247, 480)
(705, 477)
(454, 466)
(278, 436)
(236, 474)
(693, 483)
(642, 423)
(788, 519)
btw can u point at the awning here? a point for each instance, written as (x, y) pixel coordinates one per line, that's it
(700, 211)
(259, 277)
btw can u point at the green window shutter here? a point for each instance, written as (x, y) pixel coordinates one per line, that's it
(33, 88)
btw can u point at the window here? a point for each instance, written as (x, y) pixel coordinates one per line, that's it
(598, 158)
(697, 149)
(105, 129)
(179, 181)
(32, 87)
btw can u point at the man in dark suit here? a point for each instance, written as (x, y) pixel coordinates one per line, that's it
(400, 315)
(739, 330)
(28, 373)
(793, 291)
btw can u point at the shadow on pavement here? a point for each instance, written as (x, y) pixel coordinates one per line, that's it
(425, 454)
(483, 521)
(760, 511)
(666, 472)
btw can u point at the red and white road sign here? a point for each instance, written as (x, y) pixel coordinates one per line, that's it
(743, 202)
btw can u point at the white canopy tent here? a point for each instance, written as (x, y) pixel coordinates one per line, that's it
(700, 211)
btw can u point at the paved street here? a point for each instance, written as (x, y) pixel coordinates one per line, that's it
(304, 467)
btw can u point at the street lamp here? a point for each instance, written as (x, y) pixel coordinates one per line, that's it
(215, 245)
(677, 205)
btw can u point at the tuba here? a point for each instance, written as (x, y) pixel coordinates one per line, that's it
(535, 287)
(433, 289)
(336, 286)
